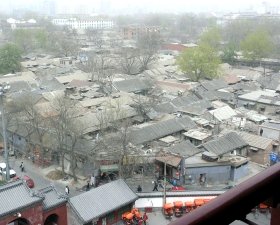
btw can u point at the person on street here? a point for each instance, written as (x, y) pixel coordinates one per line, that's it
(21, 166)
(67, 191)
(88, 187)
(155, 186)
(139, 188)
(93, 181)
(160, 184)
(145, 218)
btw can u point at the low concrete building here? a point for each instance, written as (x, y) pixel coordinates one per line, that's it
(174, 160)
(198, 136)
(228, 145)
(259, 147)
(203, 169)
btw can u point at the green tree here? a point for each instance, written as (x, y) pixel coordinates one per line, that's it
(9, 59)
(23, 38)
(211, 37)
(229, 54)
(256, 45)
(198, 63)
(41, 38)
(235, 31)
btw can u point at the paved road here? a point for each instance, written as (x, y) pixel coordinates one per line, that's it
(38, 175)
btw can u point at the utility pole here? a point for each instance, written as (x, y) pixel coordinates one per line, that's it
(164, 187)
(4, 88)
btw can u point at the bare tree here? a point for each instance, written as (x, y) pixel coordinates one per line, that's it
(34, 120)
(63, 44)
(96, 37)
(129, 61)
(66, 131)
(144, 103)
(101, 67)
(114, 126)
(148, 45)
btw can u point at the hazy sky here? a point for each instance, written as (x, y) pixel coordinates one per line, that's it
(125, 6)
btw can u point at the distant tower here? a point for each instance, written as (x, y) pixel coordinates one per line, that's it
(266, 7)
(105, 6)
(49, 7)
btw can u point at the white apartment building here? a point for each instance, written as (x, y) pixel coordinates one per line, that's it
(75, 23)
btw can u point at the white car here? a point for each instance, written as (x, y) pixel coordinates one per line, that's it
(3, 170)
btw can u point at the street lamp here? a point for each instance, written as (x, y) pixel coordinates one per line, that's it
(4, 87)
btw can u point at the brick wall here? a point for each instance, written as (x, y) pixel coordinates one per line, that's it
(34, 215)
(60, 211)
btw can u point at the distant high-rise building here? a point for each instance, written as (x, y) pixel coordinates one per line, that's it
(105, 6)
(49, 7)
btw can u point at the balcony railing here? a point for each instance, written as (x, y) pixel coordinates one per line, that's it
(236, 203)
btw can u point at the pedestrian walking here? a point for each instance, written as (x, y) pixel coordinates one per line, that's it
(160, 184)
(88, 187)
(139, 188)
(145, 218)
(67, 190)
(93, 181)
(155, 186)
(21, 166)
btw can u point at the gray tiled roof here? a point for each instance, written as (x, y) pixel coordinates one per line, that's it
(196, 108)
(225, 144)
(132, 85)
(102, 200)
(184, 100)
(160, 129)
(184, 149)
(256, 141)
(166, 107)
(52, 198)
(15, 196)
(214, 84)
(19, 86)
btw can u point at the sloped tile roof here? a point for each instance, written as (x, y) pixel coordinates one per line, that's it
(16, 196)
(52, 198)
(223, 113)
(184, 100)
(132, 85)
(225, 144)
(102, 200)
(160, 129)
(166, 107)
(184, 149)
(255, 140)
(196, 108)
(170, 160)
(214, 84)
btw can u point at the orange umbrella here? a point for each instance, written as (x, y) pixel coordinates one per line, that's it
(178, 204)
(189, 204)
(129, 216)
(138, 214)
(199, 202)
(168, 206)
(134, 210)
(206, 200)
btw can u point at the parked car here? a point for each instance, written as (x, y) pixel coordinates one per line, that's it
(3, 171)
(27, 180)
(178, 188)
